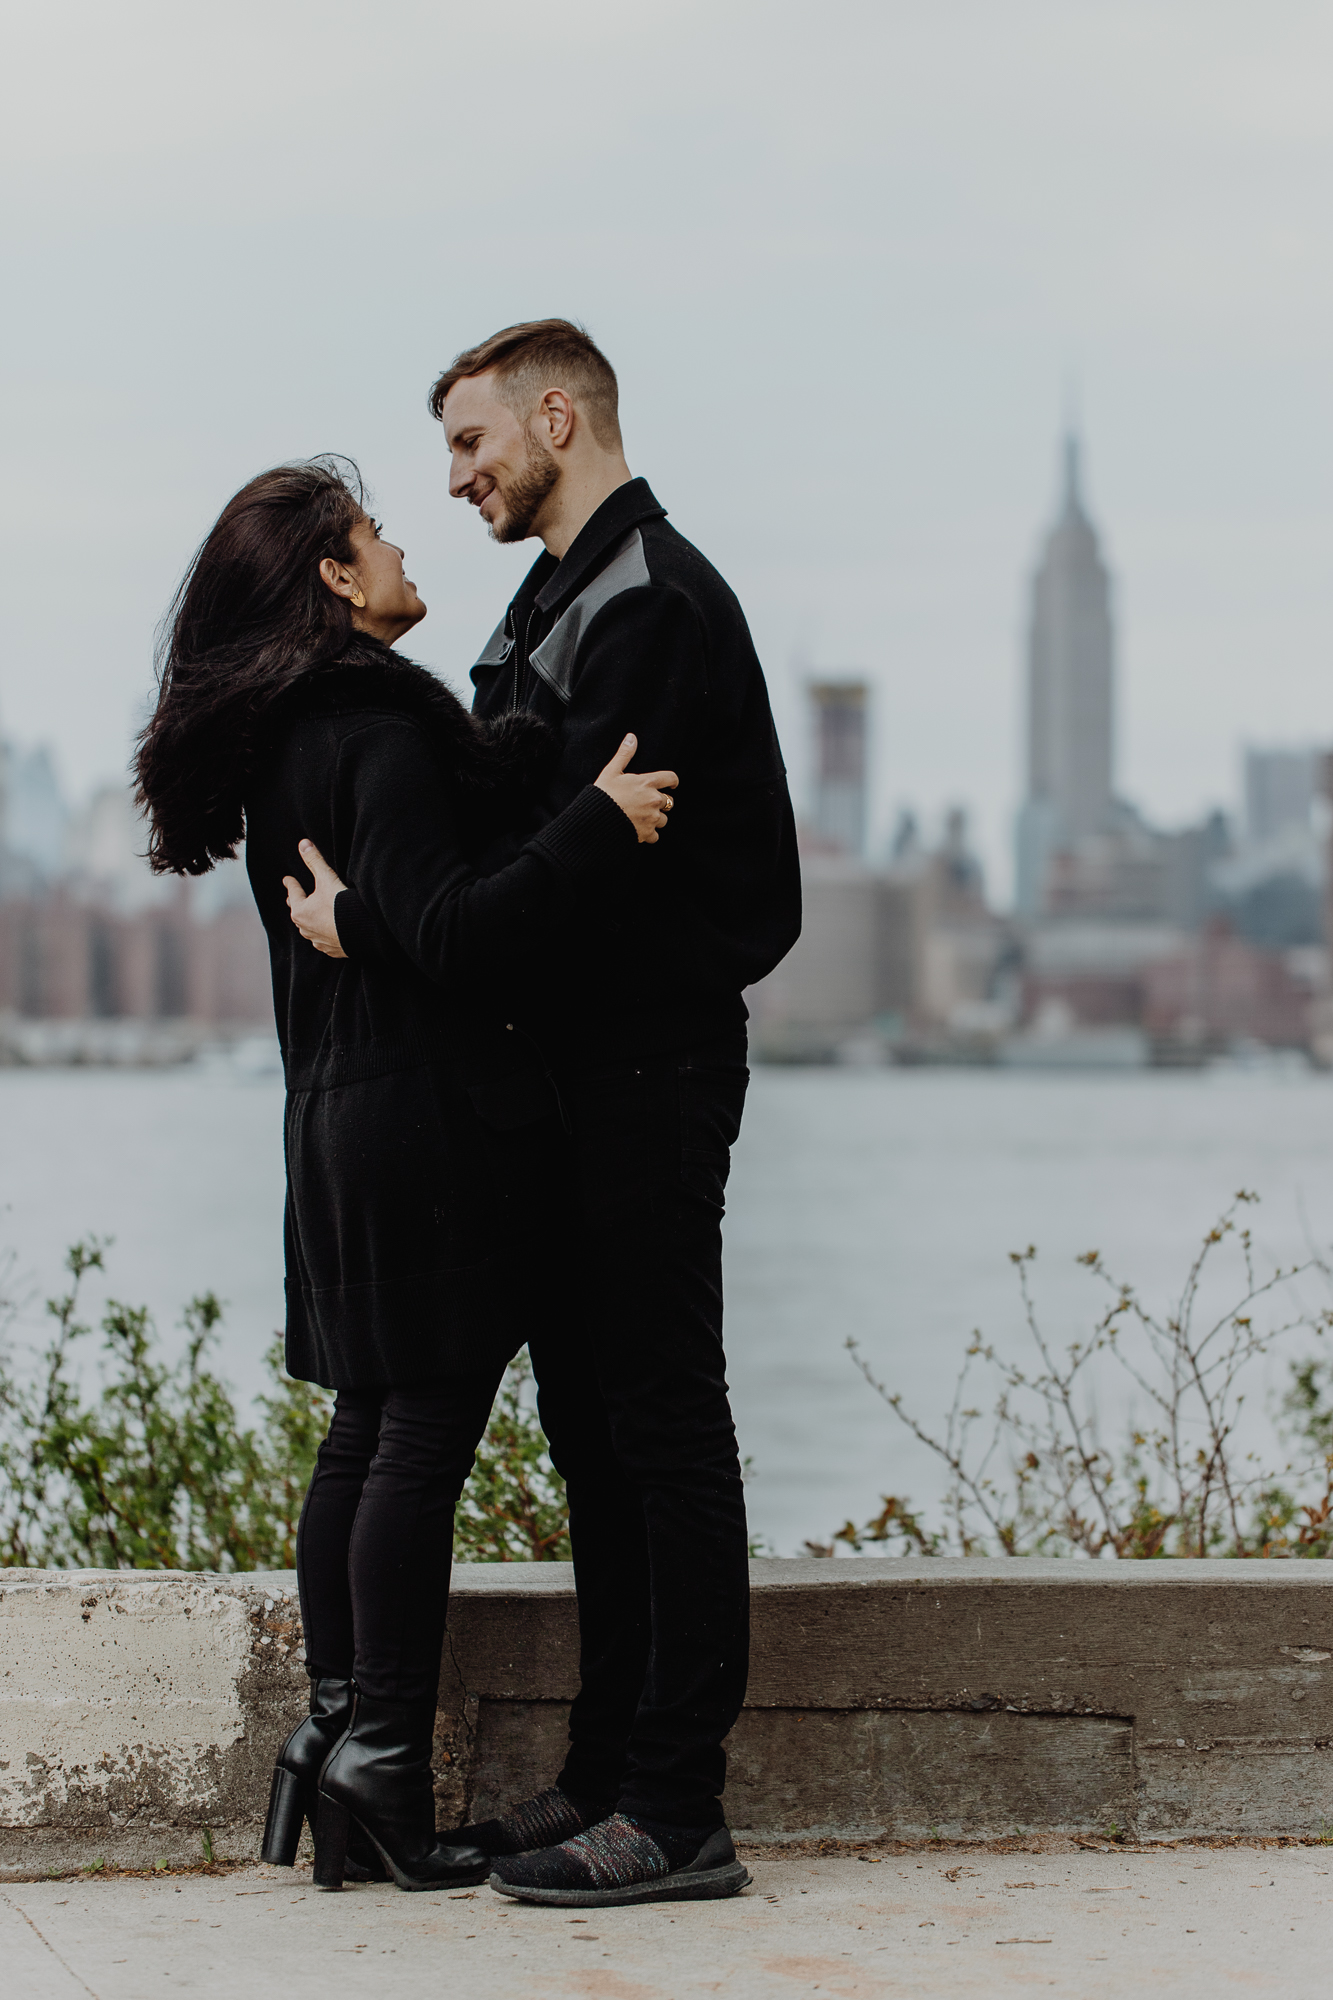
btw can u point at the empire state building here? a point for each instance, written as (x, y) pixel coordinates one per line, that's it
(1069, 695)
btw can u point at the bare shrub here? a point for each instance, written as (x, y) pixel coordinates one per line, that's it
(1030, 1475)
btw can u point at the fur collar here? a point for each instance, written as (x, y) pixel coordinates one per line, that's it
(511, 753)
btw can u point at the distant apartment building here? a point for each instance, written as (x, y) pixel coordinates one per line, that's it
(898, 955)
(87, 934)
(66, 959)
(1271, 881)
(838, 822)
(1217, 989)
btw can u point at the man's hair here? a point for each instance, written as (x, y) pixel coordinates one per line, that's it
(539, 355)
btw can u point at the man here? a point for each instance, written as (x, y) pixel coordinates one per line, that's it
(622, 626)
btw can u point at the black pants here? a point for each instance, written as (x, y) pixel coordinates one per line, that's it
(375, 1542)
(625, 1333)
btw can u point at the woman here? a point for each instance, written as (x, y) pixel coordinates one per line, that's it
(416, 1120)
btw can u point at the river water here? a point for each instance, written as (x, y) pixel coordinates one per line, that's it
(877, 1204)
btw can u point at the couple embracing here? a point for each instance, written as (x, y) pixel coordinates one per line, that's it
(516, 1062)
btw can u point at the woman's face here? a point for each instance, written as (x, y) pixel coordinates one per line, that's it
(375, 572)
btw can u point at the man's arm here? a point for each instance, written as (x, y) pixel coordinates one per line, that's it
(462, 925)
(404, 852)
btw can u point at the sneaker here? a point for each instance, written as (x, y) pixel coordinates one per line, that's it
(620, 1861)
(541, 1822)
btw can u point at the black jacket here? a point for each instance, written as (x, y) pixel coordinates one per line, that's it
(635, 630)
(408, 1093)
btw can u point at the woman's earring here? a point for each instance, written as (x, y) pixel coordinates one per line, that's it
(358, 597)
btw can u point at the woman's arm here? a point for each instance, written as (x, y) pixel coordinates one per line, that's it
(416, 888)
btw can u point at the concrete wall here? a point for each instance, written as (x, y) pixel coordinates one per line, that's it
(887, 1697)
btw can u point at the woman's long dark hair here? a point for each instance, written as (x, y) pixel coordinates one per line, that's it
(251, 616)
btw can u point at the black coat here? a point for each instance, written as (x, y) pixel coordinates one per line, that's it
(635, 629)
(411, 1103)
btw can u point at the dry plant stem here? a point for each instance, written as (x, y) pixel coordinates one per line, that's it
(1087, 1454)
(964, 1481)
(1176, 1486)
(1184, 1356)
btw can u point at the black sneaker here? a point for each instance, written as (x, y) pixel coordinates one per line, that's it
(541, 1822)
(619, 1861)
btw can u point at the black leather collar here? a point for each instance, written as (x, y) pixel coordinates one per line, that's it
(619, 512)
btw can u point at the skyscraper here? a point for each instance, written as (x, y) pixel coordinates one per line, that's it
(1281, 787)
(840, 765)
(1069, 710)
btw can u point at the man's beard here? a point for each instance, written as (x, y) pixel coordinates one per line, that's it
(522, 499)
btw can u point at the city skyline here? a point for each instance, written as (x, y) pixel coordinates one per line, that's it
(888, 235)
(1065, 774)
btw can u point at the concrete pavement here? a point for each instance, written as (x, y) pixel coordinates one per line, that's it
(1184, 1921)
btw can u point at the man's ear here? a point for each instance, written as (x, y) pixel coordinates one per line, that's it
(556, 412)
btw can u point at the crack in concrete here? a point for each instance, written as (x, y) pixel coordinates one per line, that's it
(49, 1946)
(467, 1731)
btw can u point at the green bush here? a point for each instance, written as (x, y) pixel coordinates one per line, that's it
(158, 1470)
(513, 1507)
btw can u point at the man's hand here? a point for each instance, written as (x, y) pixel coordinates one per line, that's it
(313, 915)
(643, 796)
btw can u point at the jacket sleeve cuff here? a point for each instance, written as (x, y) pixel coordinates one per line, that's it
(358, 933)
(589, 836)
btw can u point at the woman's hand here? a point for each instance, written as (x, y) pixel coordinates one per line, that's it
(643, 796)
(313, 915)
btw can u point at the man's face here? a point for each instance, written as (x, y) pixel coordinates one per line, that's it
(498, 464)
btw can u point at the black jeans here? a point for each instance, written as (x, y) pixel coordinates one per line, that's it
(625, 1333)
(375, 1542)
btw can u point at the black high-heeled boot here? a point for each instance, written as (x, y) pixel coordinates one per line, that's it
(378, 1782)
(294, 1794)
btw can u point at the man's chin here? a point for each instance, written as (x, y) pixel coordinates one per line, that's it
(509, 529)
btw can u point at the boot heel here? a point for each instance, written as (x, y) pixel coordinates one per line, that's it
(332, 1828)
(282, 1829)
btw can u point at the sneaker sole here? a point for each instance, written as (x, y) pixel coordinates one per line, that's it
(704, 1887)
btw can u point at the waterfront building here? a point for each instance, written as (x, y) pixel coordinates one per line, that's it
(1271, 882)
(839, 715)
(90, 938)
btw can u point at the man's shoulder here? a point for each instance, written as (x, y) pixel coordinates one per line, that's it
(676, 565)
(679, 565)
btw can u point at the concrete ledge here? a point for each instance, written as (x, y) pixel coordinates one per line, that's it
(139, 1712)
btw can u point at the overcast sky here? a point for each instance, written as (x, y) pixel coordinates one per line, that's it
(845, 259)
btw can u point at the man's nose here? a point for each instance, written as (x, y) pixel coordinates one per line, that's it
(460, 478)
